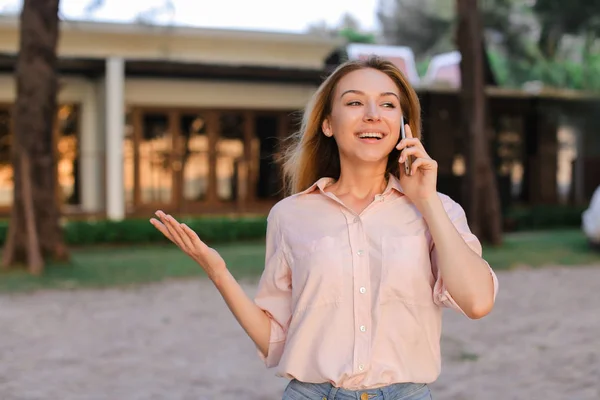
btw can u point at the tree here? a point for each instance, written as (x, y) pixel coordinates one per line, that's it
(483, 204)
(578, 17)
(348, 28)
(423, 25)
(34, 232)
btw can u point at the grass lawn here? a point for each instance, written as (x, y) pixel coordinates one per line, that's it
(537, 249)
(115, 266)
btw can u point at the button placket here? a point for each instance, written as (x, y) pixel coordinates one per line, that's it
(362, 303)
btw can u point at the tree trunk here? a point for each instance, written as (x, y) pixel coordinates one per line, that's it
(34, 233)
(483, 203)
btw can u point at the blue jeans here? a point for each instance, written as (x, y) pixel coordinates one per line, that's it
(297, 390)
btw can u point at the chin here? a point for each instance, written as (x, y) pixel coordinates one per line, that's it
(374, 159)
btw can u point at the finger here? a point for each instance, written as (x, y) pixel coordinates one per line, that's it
(178, 234)
(417, 152)
(423, 163)
(408, 131)
(408, 142)
(195, 241)
(162, 228)
(164, 218)
(183, 237)
(192, 236)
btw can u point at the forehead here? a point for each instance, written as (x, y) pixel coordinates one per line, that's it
(367, 80)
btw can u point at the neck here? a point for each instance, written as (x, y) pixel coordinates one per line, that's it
(361, 182)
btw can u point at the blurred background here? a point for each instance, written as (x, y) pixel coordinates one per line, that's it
(183, 106)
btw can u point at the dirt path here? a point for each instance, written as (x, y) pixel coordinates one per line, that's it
(177, 340)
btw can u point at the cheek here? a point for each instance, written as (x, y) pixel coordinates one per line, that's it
(343, 126)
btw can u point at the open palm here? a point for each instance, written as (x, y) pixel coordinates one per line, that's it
(188, 241)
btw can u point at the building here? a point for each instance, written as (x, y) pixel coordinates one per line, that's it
(183, 119)
(189, 120)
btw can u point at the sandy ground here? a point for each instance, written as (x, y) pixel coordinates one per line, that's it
(177, 340)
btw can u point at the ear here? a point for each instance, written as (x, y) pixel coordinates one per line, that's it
(326, 127)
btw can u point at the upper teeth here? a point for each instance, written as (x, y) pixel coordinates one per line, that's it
(371, 135)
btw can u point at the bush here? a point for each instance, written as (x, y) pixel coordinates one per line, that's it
(230, 229)
(138, 231)
(543, 217)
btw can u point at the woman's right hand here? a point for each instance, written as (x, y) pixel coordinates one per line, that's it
(187, 240)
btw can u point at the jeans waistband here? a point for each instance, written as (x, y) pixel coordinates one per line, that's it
(326, 391)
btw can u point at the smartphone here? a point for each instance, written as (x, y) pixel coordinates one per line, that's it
(408, 162)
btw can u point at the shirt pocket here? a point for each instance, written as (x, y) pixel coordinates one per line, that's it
(406, 270)
(317, 272)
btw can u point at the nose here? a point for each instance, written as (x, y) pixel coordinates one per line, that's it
(371, 112)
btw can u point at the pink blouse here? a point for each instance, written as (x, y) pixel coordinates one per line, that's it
(355, 300)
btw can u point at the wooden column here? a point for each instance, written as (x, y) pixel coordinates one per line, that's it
(541, 146)
(250, 157)
(213, 129)
(175, 160)
(56, 135)
(136, 116)
(548, 157)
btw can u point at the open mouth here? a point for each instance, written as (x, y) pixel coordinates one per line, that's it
(371, 136)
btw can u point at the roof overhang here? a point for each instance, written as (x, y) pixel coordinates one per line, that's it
(95, 68)
(178, 46)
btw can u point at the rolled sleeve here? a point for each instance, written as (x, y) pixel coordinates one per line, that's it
(274, 292)
(441, 296)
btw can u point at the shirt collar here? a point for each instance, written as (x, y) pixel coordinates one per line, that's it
(322, 183)
(393, 184)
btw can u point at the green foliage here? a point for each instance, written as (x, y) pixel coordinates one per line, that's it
(355, 36)
(130, 231)
(348, 28)
(554, 73)
(94, 267)
(552, 42)
(426, 26)
(221, 229)
(422, 66)
(543, 217)
(574, 16)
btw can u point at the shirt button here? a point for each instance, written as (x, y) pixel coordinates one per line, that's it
(363, 328)
(357, 220)
(360, 252)
(362, 290)
(361, 367)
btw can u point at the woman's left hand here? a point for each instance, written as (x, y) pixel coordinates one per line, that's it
(421, 185)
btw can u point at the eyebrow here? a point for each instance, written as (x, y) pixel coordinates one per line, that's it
(362, 93)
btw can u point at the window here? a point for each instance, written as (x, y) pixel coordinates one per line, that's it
(155, 148)
(230, 153)
(194, 156)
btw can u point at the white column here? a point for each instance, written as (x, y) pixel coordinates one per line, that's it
(90, 161)
(115, 126)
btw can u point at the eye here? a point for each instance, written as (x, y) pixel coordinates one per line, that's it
(389, 105)
(354, 103)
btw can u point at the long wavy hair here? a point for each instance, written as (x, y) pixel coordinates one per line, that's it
(312, 155)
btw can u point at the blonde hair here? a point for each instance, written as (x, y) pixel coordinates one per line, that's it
(312, 155)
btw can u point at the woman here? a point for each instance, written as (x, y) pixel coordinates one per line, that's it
(362, 256)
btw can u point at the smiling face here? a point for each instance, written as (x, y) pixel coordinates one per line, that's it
(365, 117)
